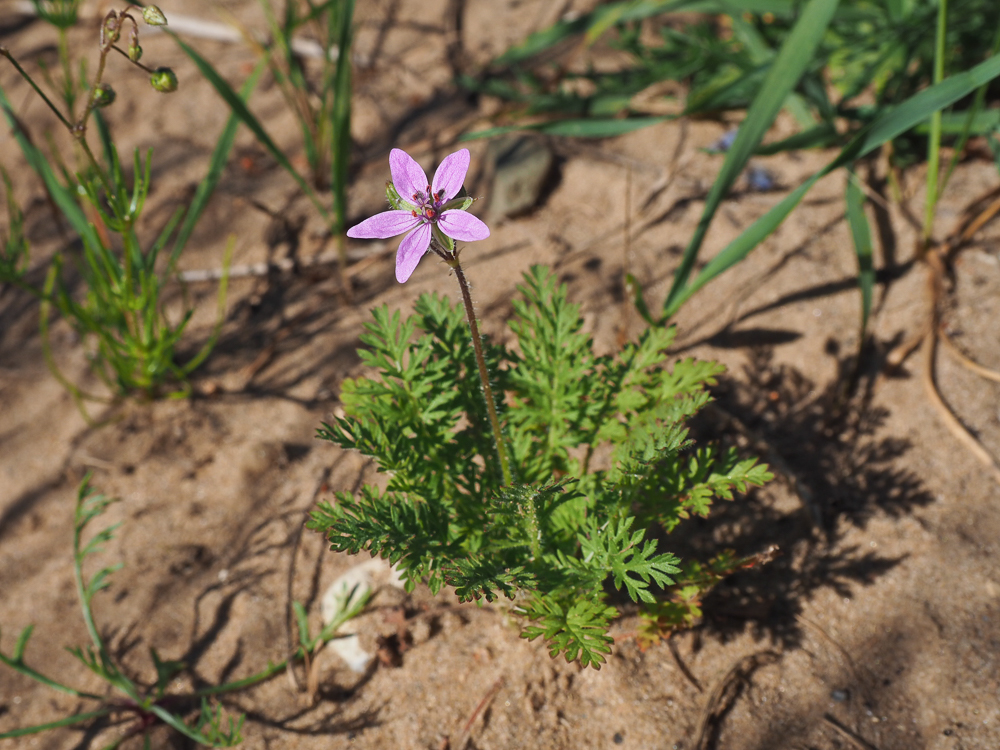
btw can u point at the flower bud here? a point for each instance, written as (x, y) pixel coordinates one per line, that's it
(164, 80)
(153, 16)
(134, 52)
(111, 30)
(104, 95)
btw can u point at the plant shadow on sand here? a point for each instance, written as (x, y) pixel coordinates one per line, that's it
(824, 445)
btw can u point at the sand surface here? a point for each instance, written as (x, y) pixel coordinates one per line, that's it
(878, 626)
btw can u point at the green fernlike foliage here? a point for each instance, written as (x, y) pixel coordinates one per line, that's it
(600, 454)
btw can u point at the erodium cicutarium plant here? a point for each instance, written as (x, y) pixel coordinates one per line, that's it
(546, 493)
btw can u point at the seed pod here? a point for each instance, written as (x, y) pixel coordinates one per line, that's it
(164, 80)
(153, 16)
(104, 95)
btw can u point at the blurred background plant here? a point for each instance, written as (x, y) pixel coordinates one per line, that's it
(63, 15)
(140, 706)
(839, 68)
(319, 95)
(119, 310)
(14, 251)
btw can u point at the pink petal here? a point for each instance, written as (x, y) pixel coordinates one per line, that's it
(407, 176)
(411, 250)
(451, 173)
(383, 225)
(461, 225)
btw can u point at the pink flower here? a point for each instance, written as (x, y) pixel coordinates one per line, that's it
(424, 207)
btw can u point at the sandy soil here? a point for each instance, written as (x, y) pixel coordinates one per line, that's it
(877, 627)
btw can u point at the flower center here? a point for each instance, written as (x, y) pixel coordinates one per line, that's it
(428, 205)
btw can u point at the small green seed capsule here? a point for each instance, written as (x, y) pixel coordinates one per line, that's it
(153, 16)
(163, 80)
(104, 95)
(134, 52)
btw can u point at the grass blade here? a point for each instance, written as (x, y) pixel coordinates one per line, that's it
(62, 196)
(342, 115)
(215, 167)
(239, 108)
(862, 236)
(64, 722)
(890, 125)
(795, 55)
(582, 128)
(595, 23)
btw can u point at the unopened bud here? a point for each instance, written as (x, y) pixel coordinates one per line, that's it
(164, 80)
(153, 16)
(134, 52)
(112, 29)
(104, 95)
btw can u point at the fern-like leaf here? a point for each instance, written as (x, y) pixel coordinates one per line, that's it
(629, 560)
(578, 629)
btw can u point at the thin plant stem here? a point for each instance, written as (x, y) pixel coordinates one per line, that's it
(934, 143)
(80, 128)
(484, 375)
(31, 82)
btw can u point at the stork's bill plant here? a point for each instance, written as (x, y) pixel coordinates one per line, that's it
(597, 450)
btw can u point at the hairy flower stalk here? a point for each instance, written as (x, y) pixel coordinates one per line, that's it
(484, 375)
(433, 215)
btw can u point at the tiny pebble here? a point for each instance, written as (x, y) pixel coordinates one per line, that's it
(839, 695)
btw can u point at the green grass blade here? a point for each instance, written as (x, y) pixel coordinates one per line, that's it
(795, 55)
(215, 168)
(174, 721)
(598, 21)
(341, 145)
(862, 236)
(542, 40)
(64, 722)
(239, 108)
(63, 198)
(822, 135)
(890, 125)
(583, 128)
(933, 185)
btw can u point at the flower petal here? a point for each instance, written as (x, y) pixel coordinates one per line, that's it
(411, 250)
(461, 225)
(407, 176)
(451, 173)
(383, 225)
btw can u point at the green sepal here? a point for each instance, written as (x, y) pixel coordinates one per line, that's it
(395, 200)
